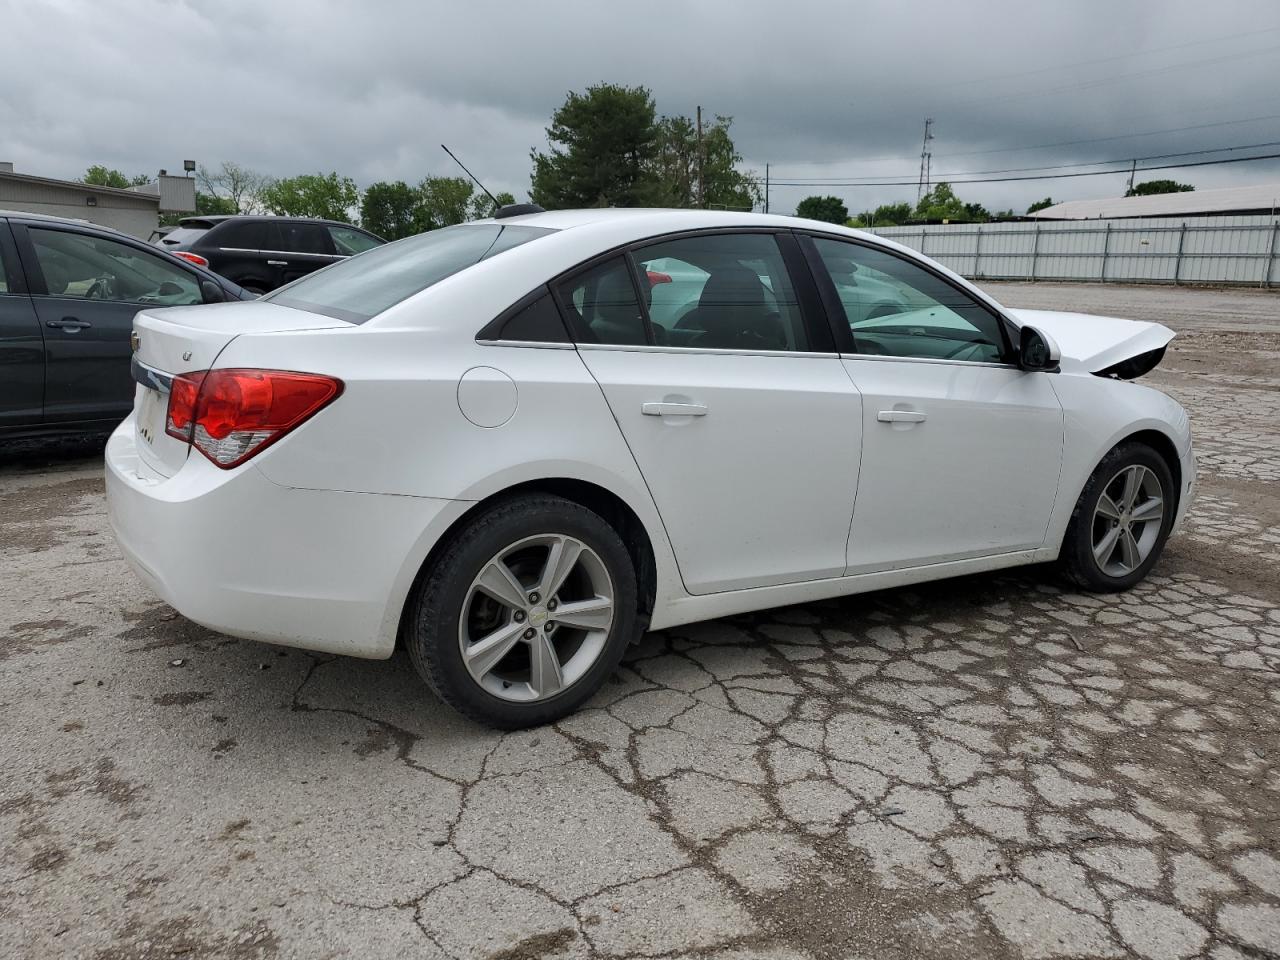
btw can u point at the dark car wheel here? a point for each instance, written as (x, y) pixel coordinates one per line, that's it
(1121, 521)
(525, 613)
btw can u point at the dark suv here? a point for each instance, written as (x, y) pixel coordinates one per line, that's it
(262, 253)
(68, 294)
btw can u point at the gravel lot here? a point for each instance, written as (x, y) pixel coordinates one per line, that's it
(988, 767)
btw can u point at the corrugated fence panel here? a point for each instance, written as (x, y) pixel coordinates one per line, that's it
(1226, 249)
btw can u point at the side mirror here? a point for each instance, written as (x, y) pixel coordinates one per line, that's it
(1038, 351)
(211, 292)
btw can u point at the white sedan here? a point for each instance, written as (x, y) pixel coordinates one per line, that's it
(482, 443)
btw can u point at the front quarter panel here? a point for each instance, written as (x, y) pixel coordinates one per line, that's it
(1099, 413)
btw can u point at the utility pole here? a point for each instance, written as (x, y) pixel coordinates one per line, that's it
(766, 188)
(1133, 168)
(702, 196)
(926, 161)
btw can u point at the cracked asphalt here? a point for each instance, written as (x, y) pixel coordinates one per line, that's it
(987, 767)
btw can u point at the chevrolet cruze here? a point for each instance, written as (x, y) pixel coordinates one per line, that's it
(513, 445)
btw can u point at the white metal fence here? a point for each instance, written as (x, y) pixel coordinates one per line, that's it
(1239, 250)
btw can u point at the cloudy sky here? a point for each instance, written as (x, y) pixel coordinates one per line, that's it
(818, 90)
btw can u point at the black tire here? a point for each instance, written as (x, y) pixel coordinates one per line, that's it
(432, 628)
(1077, 558)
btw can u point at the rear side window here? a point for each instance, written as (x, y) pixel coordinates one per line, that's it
(362, 287)
(241, 235)
(301, 238)
(183, 236)
(602, 305)
(539, 322)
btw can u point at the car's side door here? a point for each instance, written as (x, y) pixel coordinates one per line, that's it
(739, 414)
(298, 247)
(86, 288)
(961, 448)
(21, 343)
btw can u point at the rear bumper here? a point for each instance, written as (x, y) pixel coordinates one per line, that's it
(240, 554)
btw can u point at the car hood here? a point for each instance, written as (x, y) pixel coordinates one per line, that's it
(1104, 345)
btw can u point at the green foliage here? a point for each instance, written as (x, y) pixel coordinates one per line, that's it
(885, 215)
(1152, 187)
(941, 203)
(601, 147)
(481, 206)
(100, 176)
(392, 210)
(446, 200)
(1044, 204)
(327, 196)
(827, 209)
(674, 167)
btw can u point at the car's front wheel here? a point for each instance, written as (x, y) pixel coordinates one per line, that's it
(1121, 520)
(525, 613)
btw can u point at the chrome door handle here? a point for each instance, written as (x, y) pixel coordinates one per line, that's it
(901, 416)
(277, 263)
(70, 324)
(673, 409)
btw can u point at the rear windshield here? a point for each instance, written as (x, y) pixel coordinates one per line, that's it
(182, 235)
(365, 285)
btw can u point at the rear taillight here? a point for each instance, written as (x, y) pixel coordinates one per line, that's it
(231, 415)
(195, 258)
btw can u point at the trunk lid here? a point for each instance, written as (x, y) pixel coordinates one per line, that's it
(186, 339)
(1108, 346)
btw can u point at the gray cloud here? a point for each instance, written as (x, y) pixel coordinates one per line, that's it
(816, 89)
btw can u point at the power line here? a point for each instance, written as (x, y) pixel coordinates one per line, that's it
(853, 181)
(1123, 56)
(1043, 176)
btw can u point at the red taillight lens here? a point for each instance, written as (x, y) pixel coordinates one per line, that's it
(195, 258)
(231, 415)
(656, 278)
(182, 405)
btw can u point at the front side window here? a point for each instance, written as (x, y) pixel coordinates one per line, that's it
(362, 287)
(348, 242)
(95, 268)
(897, 308)
(602, 305)
(722, 291)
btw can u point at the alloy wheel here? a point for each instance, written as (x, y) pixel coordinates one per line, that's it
(1127, 520)
(536, 618)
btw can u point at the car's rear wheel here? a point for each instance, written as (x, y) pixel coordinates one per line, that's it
(525, 613)
(1121, 521)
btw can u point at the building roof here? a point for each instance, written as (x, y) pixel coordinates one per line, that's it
(1262, 197)
(77, 185)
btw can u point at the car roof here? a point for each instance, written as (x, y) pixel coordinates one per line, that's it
(220, 217)
(657, 220)
(69, 221)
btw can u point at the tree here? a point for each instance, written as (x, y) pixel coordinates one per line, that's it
(1044, 204)
(941, 203)
(481, 206)
(1152, 187)
(100, 176)
(240, 186)
(885, 215)
(827, 209)
(674, 167)
(324, 195)
(601, 147)
(393, 210)
(446, 200)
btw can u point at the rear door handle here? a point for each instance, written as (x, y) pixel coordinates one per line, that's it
(673, 409)
(901, 416)
(70, 324)
(277, 263)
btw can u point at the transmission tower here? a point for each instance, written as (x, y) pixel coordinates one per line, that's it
(926, 161)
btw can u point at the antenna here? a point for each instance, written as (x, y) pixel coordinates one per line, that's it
(472, 176)
(926, 161)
